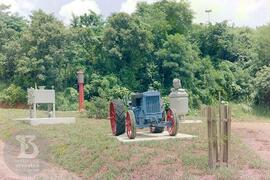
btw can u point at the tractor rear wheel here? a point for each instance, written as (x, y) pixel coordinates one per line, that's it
(117, 117)
(131, 124)
(156, 129)
(174, 123)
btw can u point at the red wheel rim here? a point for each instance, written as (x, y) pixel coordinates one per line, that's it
(128, 124)
(170, 118)
(113, 118)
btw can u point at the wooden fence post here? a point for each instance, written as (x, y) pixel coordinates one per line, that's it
(221, 131)
(219, 128)
(229, 127)
(210, 140)
(203, 111)
(218, 135)
(212, 137)
(227, 133)
(215, 136)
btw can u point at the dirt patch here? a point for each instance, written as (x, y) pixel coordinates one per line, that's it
(256, 135)
(15, 106)
(254, 174)
(52, 172)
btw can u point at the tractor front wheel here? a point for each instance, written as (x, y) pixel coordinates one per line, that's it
(130, 124)
(156, 129)
(117, 117)
(174, 123)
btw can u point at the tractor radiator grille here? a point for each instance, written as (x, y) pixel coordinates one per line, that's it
(152, 104)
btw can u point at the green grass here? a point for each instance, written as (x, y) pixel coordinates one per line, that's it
(244, 112)
(87, 149)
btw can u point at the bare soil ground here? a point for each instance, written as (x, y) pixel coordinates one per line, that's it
(52, 172)
(255, 135)
(16, 106)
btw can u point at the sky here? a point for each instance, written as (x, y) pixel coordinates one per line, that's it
(250, 13)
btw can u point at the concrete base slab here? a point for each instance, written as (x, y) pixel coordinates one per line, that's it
(147, 136)
(191, 121)
(48, 121)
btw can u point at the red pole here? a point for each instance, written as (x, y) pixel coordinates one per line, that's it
(81, 97)
(80, 77)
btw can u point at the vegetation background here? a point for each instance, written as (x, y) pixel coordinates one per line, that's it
(127, 53)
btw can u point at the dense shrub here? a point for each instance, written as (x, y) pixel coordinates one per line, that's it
(97, 108)
(67, 100)
(107, 87)
(262, 84)
(166, 102)
(96, 104)
(12, 95)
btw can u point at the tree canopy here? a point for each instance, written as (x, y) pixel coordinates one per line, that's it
(128, 53)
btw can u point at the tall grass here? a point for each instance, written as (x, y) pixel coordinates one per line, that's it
(245, 112)
(263, 111)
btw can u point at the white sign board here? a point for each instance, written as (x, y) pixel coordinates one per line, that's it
(40, 96)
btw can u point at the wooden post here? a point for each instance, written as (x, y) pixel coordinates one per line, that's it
(215, 136)
(212, 137)
(221, 139)
(227, 133)
(229, 127)
(218, 135)
(203, 111)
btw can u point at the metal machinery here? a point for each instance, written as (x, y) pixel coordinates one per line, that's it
(145, 110)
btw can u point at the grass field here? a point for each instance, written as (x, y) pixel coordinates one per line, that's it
(243, 112)
(87, 149)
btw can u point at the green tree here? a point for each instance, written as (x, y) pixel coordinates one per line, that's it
(177, 57)
(90, 19)
(262, 84)
(126, 53)
(43, 45)
(263, 40)
(164, 18)
(127, 47)
(86, 43)
(11, 27)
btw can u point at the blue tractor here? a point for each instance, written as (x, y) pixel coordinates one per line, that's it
(145, 111)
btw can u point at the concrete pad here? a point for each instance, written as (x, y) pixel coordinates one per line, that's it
(190, 121)
(48, 121)
(147, 136)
